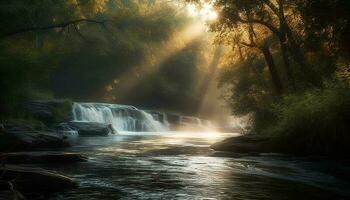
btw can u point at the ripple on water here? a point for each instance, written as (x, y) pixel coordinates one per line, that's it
(184, 167)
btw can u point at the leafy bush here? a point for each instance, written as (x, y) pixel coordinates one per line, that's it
(315, 122)
(61, 113)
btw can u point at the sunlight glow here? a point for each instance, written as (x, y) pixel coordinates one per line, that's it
(206, 12)
(207, 135)
(164, 51)
(192, 10)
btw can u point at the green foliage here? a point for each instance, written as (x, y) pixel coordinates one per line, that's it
(250, 87)
(308, 41)
(81, 60)
(326, 21)
(316, 121)
(61, 113)
(22, 70)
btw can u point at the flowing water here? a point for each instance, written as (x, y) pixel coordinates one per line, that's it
(180, 165)
(121, 117)
(161, 164)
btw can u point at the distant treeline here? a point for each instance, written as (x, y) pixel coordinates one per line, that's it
(97, 50)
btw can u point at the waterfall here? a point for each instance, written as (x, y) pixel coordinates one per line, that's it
(121, 117)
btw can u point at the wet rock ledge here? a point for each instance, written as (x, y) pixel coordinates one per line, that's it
(28, 179)
(21, 145)
(20, 140)
(249, 143)
(42, 157)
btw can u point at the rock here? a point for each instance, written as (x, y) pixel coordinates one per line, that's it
(91, 128)
(41, 157)
(6, 194)
(27, 179)
(64, 130)
(18, 140)
(249, 143)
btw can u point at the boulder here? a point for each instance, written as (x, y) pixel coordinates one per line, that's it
(250, 143)
(91, 128)
(6, 194)
(41, 157)
(65, 130)
(18, 140)
(28, 179)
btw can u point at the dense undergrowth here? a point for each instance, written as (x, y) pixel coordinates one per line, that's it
(314, 122)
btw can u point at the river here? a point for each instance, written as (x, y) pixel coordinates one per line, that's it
(180, 165)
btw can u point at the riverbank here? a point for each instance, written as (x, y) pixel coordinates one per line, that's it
(66, 144)
(158, 165)
(313, 122)
(22, 176)
(181, 165)
(255, 143)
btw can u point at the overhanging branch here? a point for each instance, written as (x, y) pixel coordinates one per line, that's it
(53, 26)
(266, 24)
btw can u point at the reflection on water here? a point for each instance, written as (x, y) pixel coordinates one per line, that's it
(180, 165)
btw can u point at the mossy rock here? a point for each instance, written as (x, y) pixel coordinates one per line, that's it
(50, 111)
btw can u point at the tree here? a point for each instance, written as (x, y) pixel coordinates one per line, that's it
(270, 16)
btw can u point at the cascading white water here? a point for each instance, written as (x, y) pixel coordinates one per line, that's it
(121, 117)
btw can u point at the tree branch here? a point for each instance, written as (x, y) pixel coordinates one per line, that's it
(78, 32)
(271, 6)
(52, 26)
(250, 45)
(266, 24)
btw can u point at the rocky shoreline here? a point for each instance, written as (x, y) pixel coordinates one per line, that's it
(19, 181)
(256, 144)
(20, 146)
(249, 143)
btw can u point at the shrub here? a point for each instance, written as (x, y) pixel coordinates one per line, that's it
(61, 113)
(315, 122)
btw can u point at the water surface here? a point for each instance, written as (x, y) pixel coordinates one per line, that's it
(180, 165)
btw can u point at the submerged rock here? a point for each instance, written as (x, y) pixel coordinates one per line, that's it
(41, 157)
(249, 143)
(91, 128)
(27, 179)
(18, 140)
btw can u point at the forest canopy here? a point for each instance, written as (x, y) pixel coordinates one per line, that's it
(288, 68)
(283, 63)
(130, 52)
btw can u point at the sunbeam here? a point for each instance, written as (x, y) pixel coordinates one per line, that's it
(151, 64)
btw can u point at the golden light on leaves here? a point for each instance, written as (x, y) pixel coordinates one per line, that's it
(205, 13)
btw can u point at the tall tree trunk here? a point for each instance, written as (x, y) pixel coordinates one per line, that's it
(288, 71)
(286, 36)
(240, 52)
(272, 69)
(283, 44)
(309, 75)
